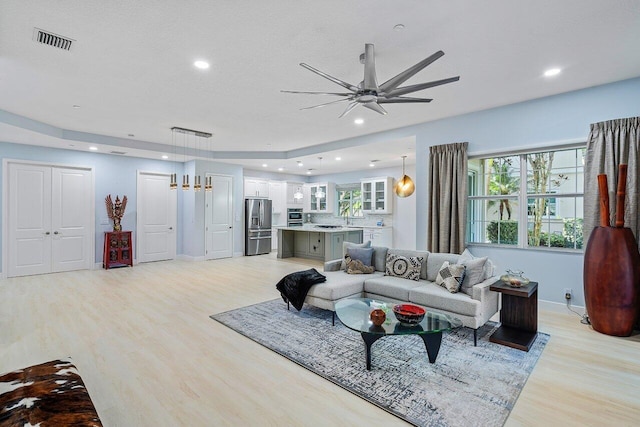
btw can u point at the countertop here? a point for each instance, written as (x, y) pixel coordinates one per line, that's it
(315, 227)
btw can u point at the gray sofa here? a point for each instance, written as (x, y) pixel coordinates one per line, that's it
(474, 309)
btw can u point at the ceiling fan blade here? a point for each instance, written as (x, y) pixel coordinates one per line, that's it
(375, 107)
(326, 103)
(349, 108)
(396, 81)
(402, 100)
(369, 82)
(318, 93)
(421, 86)
(328, 77)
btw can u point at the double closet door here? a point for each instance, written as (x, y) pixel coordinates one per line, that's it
(50, 225)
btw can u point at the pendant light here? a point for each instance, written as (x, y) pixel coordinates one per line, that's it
(196, 178)
(319, 193)
(174, 181)
(208, 185)
(298, 194)
(185, 177)
(405, 186)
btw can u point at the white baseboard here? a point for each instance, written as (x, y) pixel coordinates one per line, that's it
(559, 307)
(237, 254)
(190, 258)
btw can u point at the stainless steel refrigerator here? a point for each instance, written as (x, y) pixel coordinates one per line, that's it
(257, 218)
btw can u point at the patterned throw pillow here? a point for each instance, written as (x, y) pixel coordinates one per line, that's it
(450, 276)
(404, 267)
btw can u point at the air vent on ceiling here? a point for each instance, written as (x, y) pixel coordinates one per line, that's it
(51, 39)
(118, 152)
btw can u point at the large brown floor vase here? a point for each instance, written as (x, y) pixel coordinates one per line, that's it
(612, 280)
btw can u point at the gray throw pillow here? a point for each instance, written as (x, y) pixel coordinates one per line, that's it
(474, 273)
(362, 254)
(347, 245)
(488, 265)
(450, 276)
(403, 267)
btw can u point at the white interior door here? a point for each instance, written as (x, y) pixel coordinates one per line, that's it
(157, 217)
(50, 219)
(29, 220)
(219, 218)
(71, 207)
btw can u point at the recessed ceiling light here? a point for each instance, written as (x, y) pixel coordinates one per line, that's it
(92, 148)
(164, 156)
(552, 72)
(264, 165)
(358, 121)
(338, 158)
(372, 165)
(398, 27)
(280, 169)
(300, 164)
(130, 135)
(309, 172)
(75, 106)
(203, 65)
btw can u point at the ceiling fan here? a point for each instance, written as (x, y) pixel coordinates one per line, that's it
(369, 94)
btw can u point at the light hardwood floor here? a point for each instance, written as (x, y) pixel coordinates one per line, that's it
(150, 356)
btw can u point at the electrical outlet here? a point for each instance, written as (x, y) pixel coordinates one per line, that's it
(567, 293)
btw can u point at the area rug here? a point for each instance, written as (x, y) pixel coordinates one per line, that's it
(466, 385)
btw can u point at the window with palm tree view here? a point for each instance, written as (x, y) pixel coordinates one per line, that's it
(350, 201)
(527, 200)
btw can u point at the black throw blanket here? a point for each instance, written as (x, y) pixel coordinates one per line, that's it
(294, 287)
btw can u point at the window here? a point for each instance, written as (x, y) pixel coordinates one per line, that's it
(350, 201)
(527, 200)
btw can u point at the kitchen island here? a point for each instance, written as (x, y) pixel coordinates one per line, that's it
(321, 242)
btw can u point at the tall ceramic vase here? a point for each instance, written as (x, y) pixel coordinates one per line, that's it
(612, 268)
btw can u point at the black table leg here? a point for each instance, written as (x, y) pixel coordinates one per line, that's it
(369, 339)
(432, 344)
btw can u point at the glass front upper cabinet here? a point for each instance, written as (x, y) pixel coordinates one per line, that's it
(377, 195)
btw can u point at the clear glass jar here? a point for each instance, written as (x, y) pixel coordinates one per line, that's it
(515, 278)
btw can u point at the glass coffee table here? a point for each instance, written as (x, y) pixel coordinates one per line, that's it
(354, 314)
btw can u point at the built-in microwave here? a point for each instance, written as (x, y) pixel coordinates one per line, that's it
(294, 217)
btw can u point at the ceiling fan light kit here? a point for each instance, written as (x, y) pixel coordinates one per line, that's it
(371, 95)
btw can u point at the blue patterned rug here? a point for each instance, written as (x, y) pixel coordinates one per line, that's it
(466, 386)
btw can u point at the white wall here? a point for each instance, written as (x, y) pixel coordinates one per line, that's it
(116, 175)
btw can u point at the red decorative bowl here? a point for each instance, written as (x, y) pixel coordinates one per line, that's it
(408, 314)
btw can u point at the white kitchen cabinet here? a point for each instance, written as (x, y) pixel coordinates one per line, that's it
(382, 236)
(377, 195)
(276, 194)
(256, 188)
(291, 190)
(274, 239)
(316, 204)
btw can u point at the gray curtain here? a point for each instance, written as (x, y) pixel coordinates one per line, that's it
(610, 144)
(447, 197)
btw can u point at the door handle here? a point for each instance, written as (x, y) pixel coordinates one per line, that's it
(230, 227)
(170, 228)
(55, 232)
(46, 233)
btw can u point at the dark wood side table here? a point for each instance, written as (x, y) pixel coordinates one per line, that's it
(518, 317)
